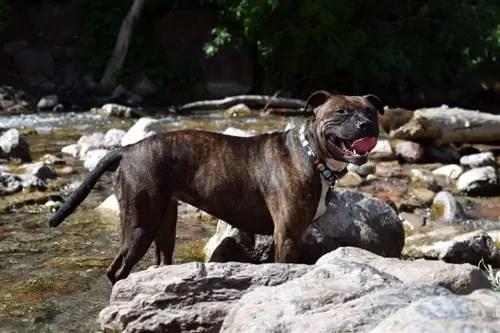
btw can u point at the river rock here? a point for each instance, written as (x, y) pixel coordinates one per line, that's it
(352, 219)
(237, 132)
(238, 110)
(478, 181)
(198, 295)
(47, 103)
(350, 179)
(441, 154)
(466, 248)
(110, 206)
(458, 278)
(363, 170)
(93, 157)
(408, 151)
(424, 179)
(335, 295)
(115, 110)
(89, 142)
(451, 171)
(474, 313)
(382, 151)
(14, 145)
(113, 138)
(142, 128)
(39, 170)
(11, 183)
(423, 195)
(478, 160)
(446, 208)
(72, 150)
(230, 244)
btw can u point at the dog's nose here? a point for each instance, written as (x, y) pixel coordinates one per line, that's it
(364, 125)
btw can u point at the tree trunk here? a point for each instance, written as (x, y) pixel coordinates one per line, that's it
(450, 125)
(117, 59)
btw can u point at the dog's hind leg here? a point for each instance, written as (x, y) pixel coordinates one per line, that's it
(165, 237)
(140, 224)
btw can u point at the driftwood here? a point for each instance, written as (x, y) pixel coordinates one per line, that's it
(450, 125)
(252, 101)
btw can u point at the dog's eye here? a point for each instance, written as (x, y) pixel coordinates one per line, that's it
(342, 111)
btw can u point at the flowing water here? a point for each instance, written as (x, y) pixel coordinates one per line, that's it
(52, 280)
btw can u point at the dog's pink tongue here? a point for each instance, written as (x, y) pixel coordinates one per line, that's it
(364, 145)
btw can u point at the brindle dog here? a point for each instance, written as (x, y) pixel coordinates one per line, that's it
(265, 184)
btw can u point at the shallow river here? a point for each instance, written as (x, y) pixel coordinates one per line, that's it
(52, 280)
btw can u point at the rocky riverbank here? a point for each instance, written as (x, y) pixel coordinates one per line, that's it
(434, 205)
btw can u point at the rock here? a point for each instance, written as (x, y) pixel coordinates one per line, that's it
(65, 170)
(382, 151)
(11, 183)
(441, 154)
(141, 129)
(347, 290)
(14, 145)
(109, 206)
(113, 138)
(336, 296)
(39, 170)
(446, 208)
(90, 142)
(350, 179)
(363, 170)
(352, 219)
(478, 181)
(423, 195)
(115, 110)
(47, 103)
(424, 179)
(237, 132)
(72, 150)
(474, 313)
(230, 244)
(93, 157)
(478, 160)
(410, 152)
(238, 110)
(52, 160)
(193, 297)
(451, 171)
(467, 248)
(458, 278)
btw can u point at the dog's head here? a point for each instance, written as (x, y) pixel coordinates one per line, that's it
(346, 128)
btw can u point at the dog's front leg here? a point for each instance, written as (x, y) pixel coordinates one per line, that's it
(291, 219)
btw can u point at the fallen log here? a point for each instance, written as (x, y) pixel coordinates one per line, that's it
(444, 125)
(252, 101)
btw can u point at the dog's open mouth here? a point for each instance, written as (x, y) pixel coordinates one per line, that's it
(356, 148)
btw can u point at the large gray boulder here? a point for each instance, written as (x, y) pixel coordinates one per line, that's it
(352, 219)
(348, 290)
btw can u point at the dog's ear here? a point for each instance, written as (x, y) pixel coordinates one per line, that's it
(376, 102)
(316, 99)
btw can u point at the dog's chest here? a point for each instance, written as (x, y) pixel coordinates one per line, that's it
(335, 166)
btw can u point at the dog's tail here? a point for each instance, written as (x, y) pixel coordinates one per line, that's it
(108, 162)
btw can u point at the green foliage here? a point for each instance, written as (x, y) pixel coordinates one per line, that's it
(5, 14)
(354, 45)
